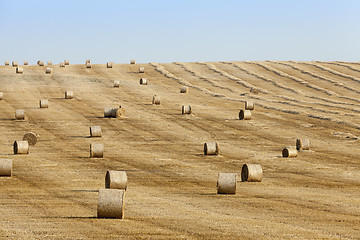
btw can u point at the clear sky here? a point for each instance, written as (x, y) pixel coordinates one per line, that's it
(179, 30)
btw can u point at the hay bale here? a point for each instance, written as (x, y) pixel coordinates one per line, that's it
(26, 63)
(254, 90)
(211, 148)
(114, 112)
(62, 64)
(111, 203)
(156, 100)
(5, 167)
(141, 69)
(245, 115)
(88, 65)
(132, 62)
(19, 70)
(31, 138)
(226, 183)
(19, 114)
(116, 84)
(109, 64)
(186, 109)
(116, 180)
(249, 105)
(15, 64)
(96, 150)
(66, 62)
(69, 95)
(184, 89)
(48, 70)
(251, 173)
(40, 63)
(1, 95)
(21, 147)
(49, 63)
(302, 144)
(44, 103)
(143, 81)
(289, 152)
(7, 63)
(95, 131)
(87, 61)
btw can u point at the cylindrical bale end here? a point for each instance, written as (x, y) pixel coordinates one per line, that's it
(116, 180)
(114, 112)
(186, 109)
(26, 63)
(109, 64)
(141, 69)
(5, 167)
(40, 63)
(211, 148)
(116, 84)
(156, 100)
(226, 183)
(48, 70)
(88, 65)
(95, 131)
(62, 64)
(111, 203)
(44, 103)
(21, 147)
(20, 114)
(67, 62)
(1, 95)
(184, 89)
(289, 152)
(69, 95)
(96, 150)
(19, 70)
(251, 173)
(245, 115)
(49, 63)
(249, 105)
(302, 144)
(132, 62)
(31, 138)
(15, 64)
(143, 81)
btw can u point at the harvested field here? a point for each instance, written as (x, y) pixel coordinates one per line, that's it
(171, 190)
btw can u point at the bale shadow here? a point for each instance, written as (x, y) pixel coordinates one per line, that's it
(83, 190)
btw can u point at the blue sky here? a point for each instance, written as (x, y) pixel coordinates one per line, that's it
(179, 30)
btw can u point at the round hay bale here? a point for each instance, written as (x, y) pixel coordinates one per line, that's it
(15, 64)
(66, 62)
(116, 84)
(116, 180)
(302, 144)
(184, 89)
(226, 183)
(95, 131)
(132, 62)
(21, 147)
(211, 148)
(141, 69)
(26, 63)
(1, 95)
(249, 105)
(96, 150)
(69, 95)
(49, 63)
(31, 138)
(48, 70)
(114, 112)
(251, 173)
(111, 203)
(289, 152)
(143, 81)
(186, 109)
(44, 103)
(109, 64)
(62, 64)
(87, 61)
(19, 114)
(88, 65)
(40, 63)
(245, 115)
(156, 100)
(19, 70)
(254, 90)
(7, 63)
(5, 167)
